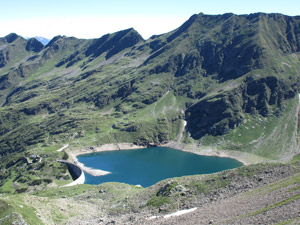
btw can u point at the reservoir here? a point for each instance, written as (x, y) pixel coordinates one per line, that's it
(151, 165)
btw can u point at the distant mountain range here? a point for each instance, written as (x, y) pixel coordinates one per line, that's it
(43, 40)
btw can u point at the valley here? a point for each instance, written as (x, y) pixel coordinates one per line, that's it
(224, 85)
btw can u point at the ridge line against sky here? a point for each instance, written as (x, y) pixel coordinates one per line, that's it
(94, 18)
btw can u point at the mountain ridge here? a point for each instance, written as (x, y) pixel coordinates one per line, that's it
(222, 75)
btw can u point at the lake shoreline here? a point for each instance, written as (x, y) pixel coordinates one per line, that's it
(127, 163)
(244, 158)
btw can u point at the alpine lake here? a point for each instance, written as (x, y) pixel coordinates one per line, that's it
(148, 166)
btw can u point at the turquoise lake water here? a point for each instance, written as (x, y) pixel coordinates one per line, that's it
(151, 165)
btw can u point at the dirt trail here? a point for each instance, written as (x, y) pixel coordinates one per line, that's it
(182, 131)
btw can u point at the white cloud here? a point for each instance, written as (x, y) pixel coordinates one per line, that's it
(90, 27)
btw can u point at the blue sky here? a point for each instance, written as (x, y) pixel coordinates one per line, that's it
(94, 18)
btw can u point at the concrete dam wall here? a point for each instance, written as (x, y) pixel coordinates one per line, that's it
(76, 173)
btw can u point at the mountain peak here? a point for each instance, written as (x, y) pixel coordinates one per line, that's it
(53, 40)
(11, 37)
(34, 45)
(114, 43)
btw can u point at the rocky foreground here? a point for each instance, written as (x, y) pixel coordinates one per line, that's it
(265, 193)
(259, 194)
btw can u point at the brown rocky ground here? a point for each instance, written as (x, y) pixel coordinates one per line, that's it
(268, 194)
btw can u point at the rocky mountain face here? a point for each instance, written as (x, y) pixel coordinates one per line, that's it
(225, 75)
(216, 115)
